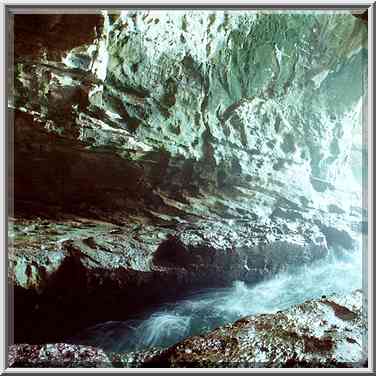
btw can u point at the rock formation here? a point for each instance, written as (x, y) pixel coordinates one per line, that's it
(59, 355)
(158, 151)
(323, 333)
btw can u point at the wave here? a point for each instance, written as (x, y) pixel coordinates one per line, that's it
(339, 273)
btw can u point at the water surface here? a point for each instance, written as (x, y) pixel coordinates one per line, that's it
(206, 309)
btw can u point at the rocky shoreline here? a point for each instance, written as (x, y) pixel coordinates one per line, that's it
(160, 152)
(65, 280)
(325, 333)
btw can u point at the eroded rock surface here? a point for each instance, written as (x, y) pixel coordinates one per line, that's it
(90, 264)
(56, 355)
(326, 333)
(155, 151)
(196, 103)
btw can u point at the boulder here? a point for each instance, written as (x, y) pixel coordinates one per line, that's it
(325, 333)
(56, 355)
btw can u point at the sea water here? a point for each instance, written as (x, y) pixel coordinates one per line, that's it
(203, 310)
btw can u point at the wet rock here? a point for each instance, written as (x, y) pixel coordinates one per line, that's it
(314, 334)
(205, 252)
(335, 236)
(340, 311)
(162, 163)
(307, 335)
(57, 355)
(132, 359)
(91, 265)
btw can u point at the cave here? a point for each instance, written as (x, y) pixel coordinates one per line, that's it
(186, 188)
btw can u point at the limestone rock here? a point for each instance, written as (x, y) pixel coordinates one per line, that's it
(323, 333)
(155, 151)
(57, 355)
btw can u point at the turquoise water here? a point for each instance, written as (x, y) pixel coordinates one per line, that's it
(203, 310)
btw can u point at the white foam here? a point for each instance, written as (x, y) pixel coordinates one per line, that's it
(340, 272)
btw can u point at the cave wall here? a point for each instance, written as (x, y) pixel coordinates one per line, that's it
(257, 104)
